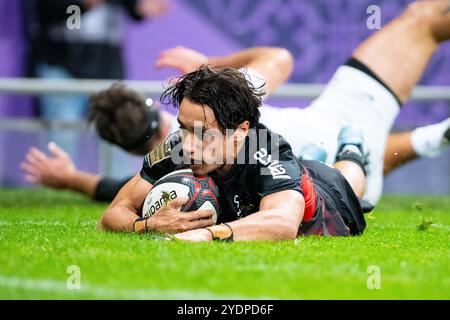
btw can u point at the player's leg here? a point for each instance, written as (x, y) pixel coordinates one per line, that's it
(422, 142)
(354, 174)
(398, 151)
(340, 189)
(399, 53)
(351, 159)
(367, 90)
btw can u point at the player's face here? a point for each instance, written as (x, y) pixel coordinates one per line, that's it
(203, 143)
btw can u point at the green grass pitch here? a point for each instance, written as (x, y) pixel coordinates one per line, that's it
(42, 233)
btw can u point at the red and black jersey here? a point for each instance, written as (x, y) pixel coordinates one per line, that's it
(265, 165)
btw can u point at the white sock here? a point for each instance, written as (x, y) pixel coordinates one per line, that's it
(428, 141)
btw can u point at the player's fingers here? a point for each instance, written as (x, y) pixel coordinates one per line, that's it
(28, 168)
(173, 80)
(165, 52)
(176, 53)
(200, 224)
(179, 51)
(200, 214)
(178, 202)
(161, 59)
(56, 150)
(34, 161)
(171, 51)
(31, 179)
(167, 62)
(38, 154)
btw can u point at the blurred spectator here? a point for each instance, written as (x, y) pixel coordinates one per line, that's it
(93, 51)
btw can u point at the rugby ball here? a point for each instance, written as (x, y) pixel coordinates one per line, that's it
(202, 192)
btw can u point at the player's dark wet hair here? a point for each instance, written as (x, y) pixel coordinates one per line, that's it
(226, 91)
(122, 117)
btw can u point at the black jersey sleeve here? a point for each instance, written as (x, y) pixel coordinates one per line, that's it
(277, 173)
(163, 159)
(107, 189)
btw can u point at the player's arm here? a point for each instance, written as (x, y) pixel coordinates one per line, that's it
(279, 218)
(274, 64)
(108, 188)
(59, 172)
(123, 213)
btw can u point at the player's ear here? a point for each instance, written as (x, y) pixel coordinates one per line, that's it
(241, 131)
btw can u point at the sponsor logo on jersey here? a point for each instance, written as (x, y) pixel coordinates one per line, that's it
(275, 168)
(159, 153)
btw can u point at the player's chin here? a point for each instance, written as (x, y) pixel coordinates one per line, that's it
(202, 169)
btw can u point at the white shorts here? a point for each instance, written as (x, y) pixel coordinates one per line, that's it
(351, 98)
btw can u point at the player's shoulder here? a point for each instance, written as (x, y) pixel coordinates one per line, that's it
(164, 152)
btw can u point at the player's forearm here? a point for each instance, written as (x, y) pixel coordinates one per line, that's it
(275, 64)
(117, 218)
(265, 225)
(83, 182)
(123, 211)
(248, 56)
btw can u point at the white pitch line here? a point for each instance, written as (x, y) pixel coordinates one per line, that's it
(440, 226)
(46, 223)
(50, 285)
